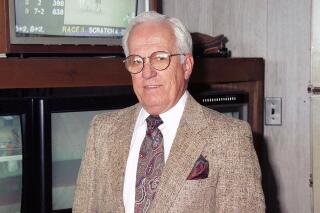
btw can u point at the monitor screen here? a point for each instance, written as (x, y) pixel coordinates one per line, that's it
(70, 21)
(10, 163)
(233, 104)
(69, 132)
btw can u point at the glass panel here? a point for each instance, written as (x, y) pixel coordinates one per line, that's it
(69, 133)
(239, 111)
(10, 164)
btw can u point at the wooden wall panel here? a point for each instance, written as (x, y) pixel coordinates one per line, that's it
(315, 107)
(315, 102)
(315, 43)
(242, 22)
(279, 31)
(288, 76)
(192, 14)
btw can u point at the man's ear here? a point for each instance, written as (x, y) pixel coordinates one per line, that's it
(188, 66)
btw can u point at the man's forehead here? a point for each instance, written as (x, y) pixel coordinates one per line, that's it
(150, 27)
(152, 40)
(151, 34)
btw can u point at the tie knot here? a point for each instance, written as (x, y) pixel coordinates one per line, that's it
(153, 121)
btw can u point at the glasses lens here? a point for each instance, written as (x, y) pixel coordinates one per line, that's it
(160, 60)
(134, 63)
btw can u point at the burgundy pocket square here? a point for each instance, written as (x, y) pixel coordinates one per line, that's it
(200, 169)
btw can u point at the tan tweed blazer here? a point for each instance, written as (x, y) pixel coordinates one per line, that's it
(233, 183)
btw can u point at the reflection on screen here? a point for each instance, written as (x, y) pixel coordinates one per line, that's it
(10, 164)
(94, 18)
(69, 133)
(239, 111)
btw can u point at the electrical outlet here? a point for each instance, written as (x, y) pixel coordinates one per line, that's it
(273, 111)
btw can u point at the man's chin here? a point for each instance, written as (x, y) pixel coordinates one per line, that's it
(154, 109)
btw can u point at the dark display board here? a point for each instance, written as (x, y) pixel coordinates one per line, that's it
(67, 26)
(83, 18)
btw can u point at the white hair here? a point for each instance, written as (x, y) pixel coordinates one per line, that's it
(183, 37)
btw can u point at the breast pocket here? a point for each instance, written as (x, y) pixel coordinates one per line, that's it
(199, 184)
(196, 196)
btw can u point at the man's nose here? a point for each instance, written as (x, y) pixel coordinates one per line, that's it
(148, 71)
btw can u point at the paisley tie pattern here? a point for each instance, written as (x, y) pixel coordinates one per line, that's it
(150, 165)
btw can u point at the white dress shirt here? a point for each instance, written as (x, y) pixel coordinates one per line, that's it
(171, 120)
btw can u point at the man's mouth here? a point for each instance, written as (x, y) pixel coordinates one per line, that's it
(151, 86)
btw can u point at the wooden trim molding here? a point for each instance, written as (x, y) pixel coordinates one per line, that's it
(4, 28)
(94, 71)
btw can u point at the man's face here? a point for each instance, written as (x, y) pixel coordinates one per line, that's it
(158, 91)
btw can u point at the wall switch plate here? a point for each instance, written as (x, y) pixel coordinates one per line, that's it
(273, 111)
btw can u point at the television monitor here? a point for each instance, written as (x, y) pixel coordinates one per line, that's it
(16, 165)
(65, 124)
(233, 104)
(79, 26)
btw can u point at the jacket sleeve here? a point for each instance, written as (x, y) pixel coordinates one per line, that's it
(239, 183)
(84, 199)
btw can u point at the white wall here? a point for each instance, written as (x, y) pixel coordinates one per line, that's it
(315, 100)
(279, 31)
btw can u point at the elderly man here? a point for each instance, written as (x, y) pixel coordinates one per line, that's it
(167, 153)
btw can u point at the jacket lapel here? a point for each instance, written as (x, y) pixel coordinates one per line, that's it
(121, 135)
(186, 149)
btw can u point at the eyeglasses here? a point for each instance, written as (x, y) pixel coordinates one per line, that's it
(159, 60)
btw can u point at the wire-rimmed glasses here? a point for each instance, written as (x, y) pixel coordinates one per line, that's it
(159, 60)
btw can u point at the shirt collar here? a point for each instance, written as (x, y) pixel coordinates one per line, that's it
(167, 117)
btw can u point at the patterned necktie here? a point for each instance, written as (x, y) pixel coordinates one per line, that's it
(150, 165)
